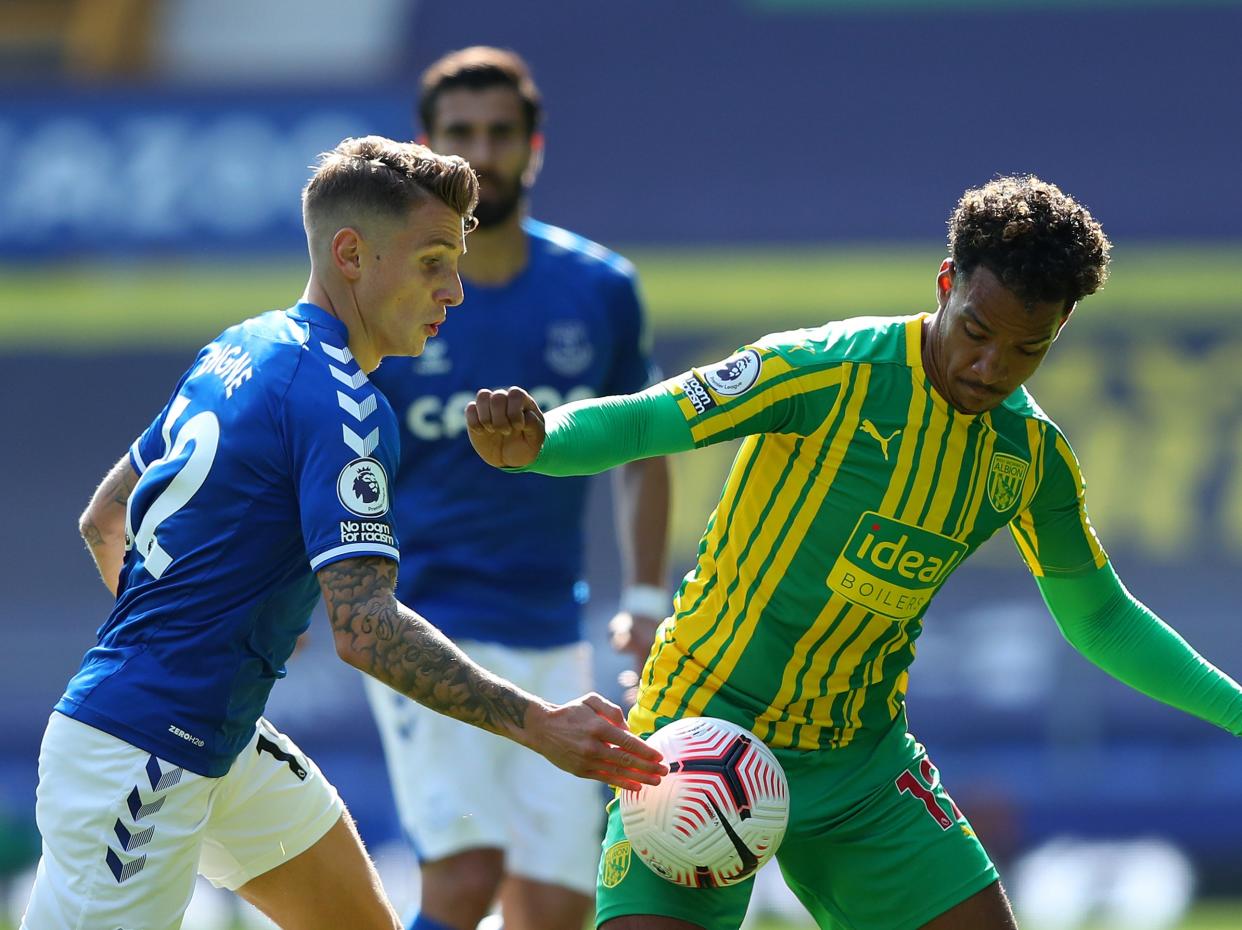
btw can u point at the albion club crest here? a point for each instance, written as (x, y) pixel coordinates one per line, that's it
(1005, 477)
(615, 864)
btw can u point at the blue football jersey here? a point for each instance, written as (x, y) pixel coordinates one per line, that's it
(485, 555)
(271, 460)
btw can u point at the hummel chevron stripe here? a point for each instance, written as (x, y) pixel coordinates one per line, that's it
(138, 810)
(363, 447)
(160, 779)
(355, 381)
(344, 356)
(359, 411)
(122, 870)
(131, 840)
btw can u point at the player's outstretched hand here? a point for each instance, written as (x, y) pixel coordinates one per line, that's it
(588, 738)
(505, 427)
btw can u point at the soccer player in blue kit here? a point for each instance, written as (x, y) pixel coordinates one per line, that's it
(262, 483)
(550, 309)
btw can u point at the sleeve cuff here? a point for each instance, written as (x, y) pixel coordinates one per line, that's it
(350, 551)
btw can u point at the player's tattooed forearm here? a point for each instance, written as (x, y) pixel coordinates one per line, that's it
(123, 485)
(407, 653)
(118, 484)
(92, 535)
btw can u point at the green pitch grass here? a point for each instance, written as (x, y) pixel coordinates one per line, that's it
(1215, 916)
(1224, 916)
(96, 305)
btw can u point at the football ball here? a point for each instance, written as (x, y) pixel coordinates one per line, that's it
(719, 813)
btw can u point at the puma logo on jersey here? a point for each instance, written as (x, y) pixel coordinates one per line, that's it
(869, 428)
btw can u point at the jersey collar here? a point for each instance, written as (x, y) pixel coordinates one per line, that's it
(317, 316)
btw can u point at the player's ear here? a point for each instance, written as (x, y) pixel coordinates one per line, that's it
(535, 164)
(944, 281)
(1064, 319)
(347, 253)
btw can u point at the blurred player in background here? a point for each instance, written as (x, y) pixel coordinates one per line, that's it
(261, 484)
(550, 309)
(878, 454)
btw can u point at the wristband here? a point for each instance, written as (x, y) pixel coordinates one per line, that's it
(645, 600)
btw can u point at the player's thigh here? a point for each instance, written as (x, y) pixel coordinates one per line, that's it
(628, 894)
(896, 860)
(120, 833)
(554, 820)
(326, 887)
(985, 910)
(459, 890)
(527, 904)
(273, 805)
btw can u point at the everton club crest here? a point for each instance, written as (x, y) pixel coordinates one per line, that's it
(569, 351)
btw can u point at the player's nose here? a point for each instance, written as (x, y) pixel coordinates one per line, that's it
(453, 294)
(480, 152)
(989, 366)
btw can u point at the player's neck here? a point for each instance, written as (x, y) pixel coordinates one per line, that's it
(927, 352)
(496, 255)
(345, 309)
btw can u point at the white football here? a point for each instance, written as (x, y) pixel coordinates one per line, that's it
(720, 812)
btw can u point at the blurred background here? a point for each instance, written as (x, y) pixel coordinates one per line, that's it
(767, 164)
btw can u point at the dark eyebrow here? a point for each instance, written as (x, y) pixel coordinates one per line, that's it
(1034, 340)
(975, 319)
(464, 125)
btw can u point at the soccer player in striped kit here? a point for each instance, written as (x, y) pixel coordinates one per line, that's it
(878, 453)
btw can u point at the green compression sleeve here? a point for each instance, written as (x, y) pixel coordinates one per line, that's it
(1104, 621)
(591, 436)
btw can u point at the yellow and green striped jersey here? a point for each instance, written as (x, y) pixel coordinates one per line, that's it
(856, 492)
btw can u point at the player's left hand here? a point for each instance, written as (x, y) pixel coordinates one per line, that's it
(505, 427)
(588, 737)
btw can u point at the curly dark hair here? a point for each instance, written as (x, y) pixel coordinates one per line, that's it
(1041, 243)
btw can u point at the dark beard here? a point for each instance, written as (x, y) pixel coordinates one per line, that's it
(493, 212)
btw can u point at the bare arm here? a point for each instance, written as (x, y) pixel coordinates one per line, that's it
(641, 495)
(102, 523)
(378, 635)
(641, 492)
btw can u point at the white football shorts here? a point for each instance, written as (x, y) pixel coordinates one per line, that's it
(124, 833)
(458, 787)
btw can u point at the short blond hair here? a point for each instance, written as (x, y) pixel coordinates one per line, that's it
(374, 176)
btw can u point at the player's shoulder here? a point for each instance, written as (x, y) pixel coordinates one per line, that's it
(1021, 404)
(270, 335)
(299, 350)
(1018, 413)
(256, 351)
(577, 255)
(862, 339)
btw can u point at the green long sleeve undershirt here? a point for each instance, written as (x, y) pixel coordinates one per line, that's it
(1095, 612)
(590, 436)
